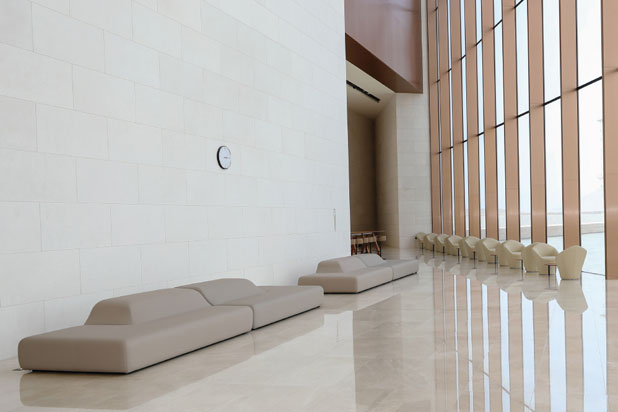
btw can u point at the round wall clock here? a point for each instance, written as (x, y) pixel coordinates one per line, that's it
(224, 157)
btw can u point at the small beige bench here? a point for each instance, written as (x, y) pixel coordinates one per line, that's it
(353, 274)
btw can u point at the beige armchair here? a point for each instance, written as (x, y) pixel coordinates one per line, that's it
(570, 262)
(419, 239)
(429, 241)
(501, 254)
(526, 255)
(440, 243)
(468, 246)
(453, 245)
(486, 250)
(509, 253)
(542, 256)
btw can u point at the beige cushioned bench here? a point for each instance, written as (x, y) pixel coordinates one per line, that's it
(268, 303)
(353, 274)
(128, 333)
(131, 332)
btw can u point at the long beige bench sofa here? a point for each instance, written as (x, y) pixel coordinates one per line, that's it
(128, 333)
(354, 274)
(124, 392)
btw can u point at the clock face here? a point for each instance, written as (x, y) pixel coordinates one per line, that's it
(224, 157)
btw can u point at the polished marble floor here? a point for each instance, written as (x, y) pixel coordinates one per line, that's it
(455, 337)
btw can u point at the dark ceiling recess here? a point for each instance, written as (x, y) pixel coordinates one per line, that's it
(383, 38)
(363, 91)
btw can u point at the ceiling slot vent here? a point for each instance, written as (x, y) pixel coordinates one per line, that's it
(363, 91)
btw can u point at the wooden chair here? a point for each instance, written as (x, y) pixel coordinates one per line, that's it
(381, 235)
(369, 240)
(356, 242)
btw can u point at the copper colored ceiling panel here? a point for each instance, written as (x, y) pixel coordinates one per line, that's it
(383, 38)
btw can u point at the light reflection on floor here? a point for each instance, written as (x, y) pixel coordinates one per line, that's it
(458, 336)
(594, 243)
(544, 340)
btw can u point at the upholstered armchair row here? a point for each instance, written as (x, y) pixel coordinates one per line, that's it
(536, 257)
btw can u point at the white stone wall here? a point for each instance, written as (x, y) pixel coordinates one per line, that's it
(111, 112)
(387, 172)
(402, 163)
(414, 172)
(361, 149)
(414, 156)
